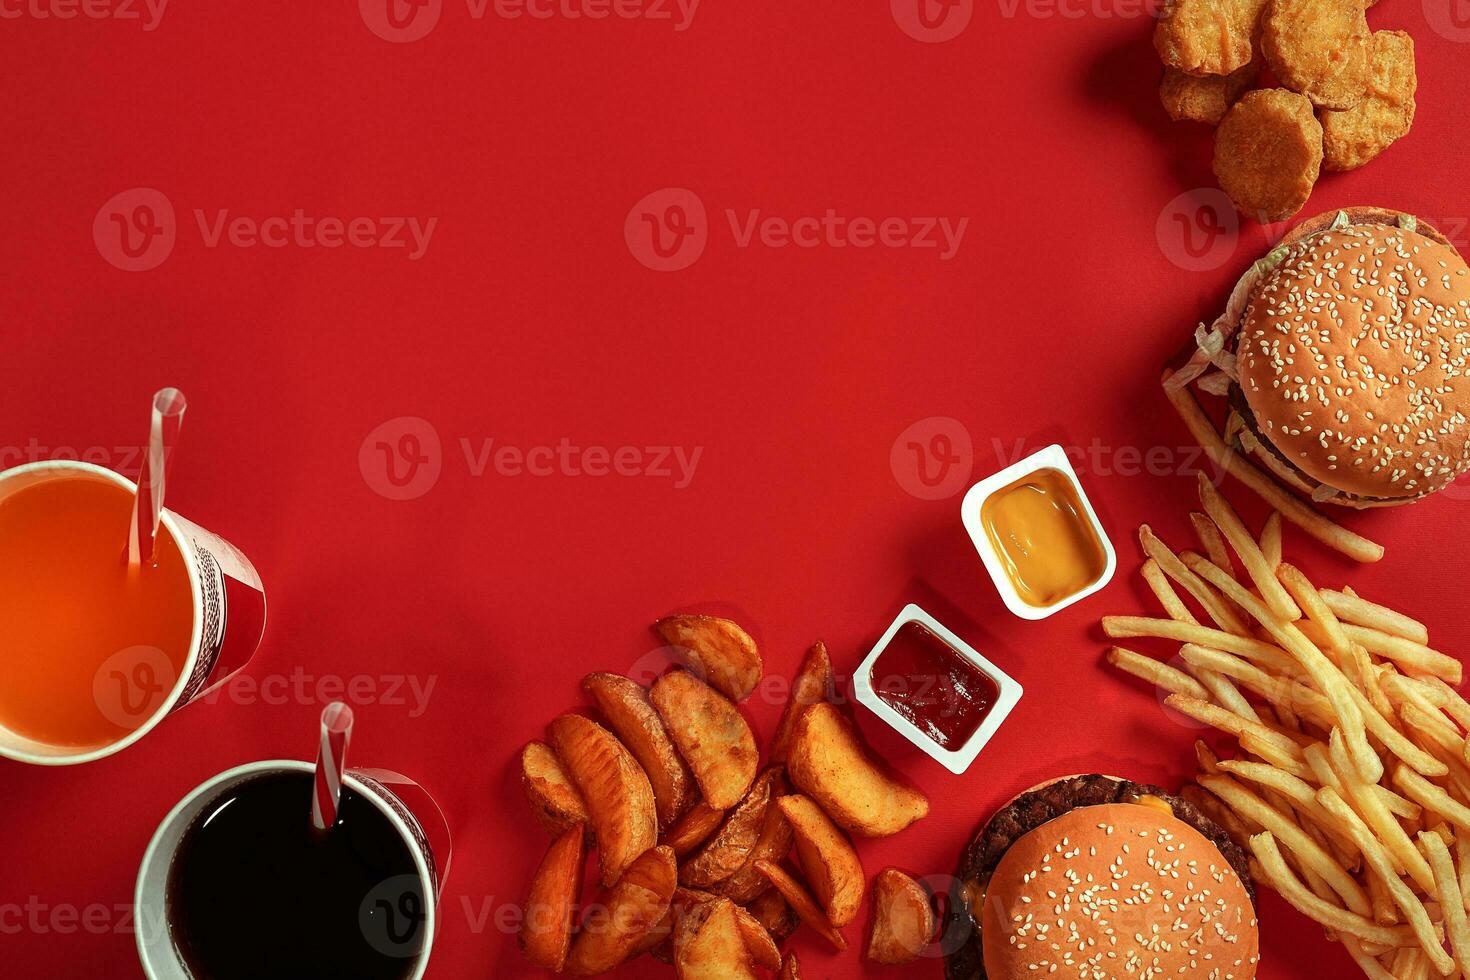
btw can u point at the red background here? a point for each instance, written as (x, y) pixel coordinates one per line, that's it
(528, 321)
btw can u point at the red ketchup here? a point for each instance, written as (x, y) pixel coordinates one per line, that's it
(932, 686)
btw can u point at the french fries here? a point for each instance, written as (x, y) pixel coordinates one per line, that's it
(830, 765)
(903, 919)
(1351, 789)
(693, 828)
(1355, 546)
(1157, 673)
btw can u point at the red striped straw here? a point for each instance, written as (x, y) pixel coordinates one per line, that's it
(163, 435)
(331, 762)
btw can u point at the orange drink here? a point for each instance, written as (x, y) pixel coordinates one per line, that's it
(89, 649)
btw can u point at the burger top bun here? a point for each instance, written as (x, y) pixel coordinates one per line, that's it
(1118, 890)
(1354, 357)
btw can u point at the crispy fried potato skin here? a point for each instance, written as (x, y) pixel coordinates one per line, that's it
(1354, 137)
(813, 683)
(903, 919)
(1204, 98)
(774, 913)
(829, 764)
(693, 828)
(827, 859)
(1268, 153)
(710, 733)
(1207, 37)
(708, 944)
(718, 650)
(772, 844)
(1320, 48)
(616, 789)
(729, 849)
(546, 926)
(636, 904)
(554, 798)
(758, 942)
(624, 703)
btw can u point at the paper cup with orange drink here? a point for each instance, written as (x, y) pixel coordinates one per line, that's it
(115, 611)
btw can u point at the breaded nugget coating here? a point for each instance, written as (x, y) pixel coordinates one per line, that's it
(1320, 48)
(1355, 136)
(1204, 98)
(1268, 153)
(1207, 37)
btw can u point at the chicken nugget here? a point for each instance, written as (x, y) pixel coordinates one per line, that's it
(1204, 98)
(1353, 137)
(1320, 48)
(1207, 37)
(1268, 153)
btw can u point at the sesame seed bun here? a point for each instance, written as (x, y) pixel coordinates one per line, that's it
(1117, 890)
(1354, 359)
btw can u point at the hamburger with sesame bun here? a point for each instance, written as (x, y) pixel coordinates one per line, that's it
(1100, 878)
(1345, 354)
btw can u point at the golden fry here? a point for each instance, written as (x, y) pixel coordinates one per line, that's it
(1354, 609)
(1284, 882)
(1159, 674)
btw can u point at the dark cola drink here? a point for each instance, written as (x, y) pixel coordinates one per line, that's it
(256, 891)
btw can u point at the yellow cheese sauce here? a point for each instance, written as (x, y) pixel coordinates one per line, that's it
(1043, 537)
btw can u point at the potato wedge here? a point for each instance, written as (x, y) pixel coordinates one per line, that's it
(830, 765)
(708, 944)
(719, 651)
(615, 788)
(762, 947)
(554, 798)
(903, 919)
(773, 844)
(827, 858)
(801, 902)
(711, 734)
(623, 915)
(729, 849)
(659, 941)
(693, 828)
(624, 703)
(547, 916)
(774, 912)
(790, 967)
(813, 683)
